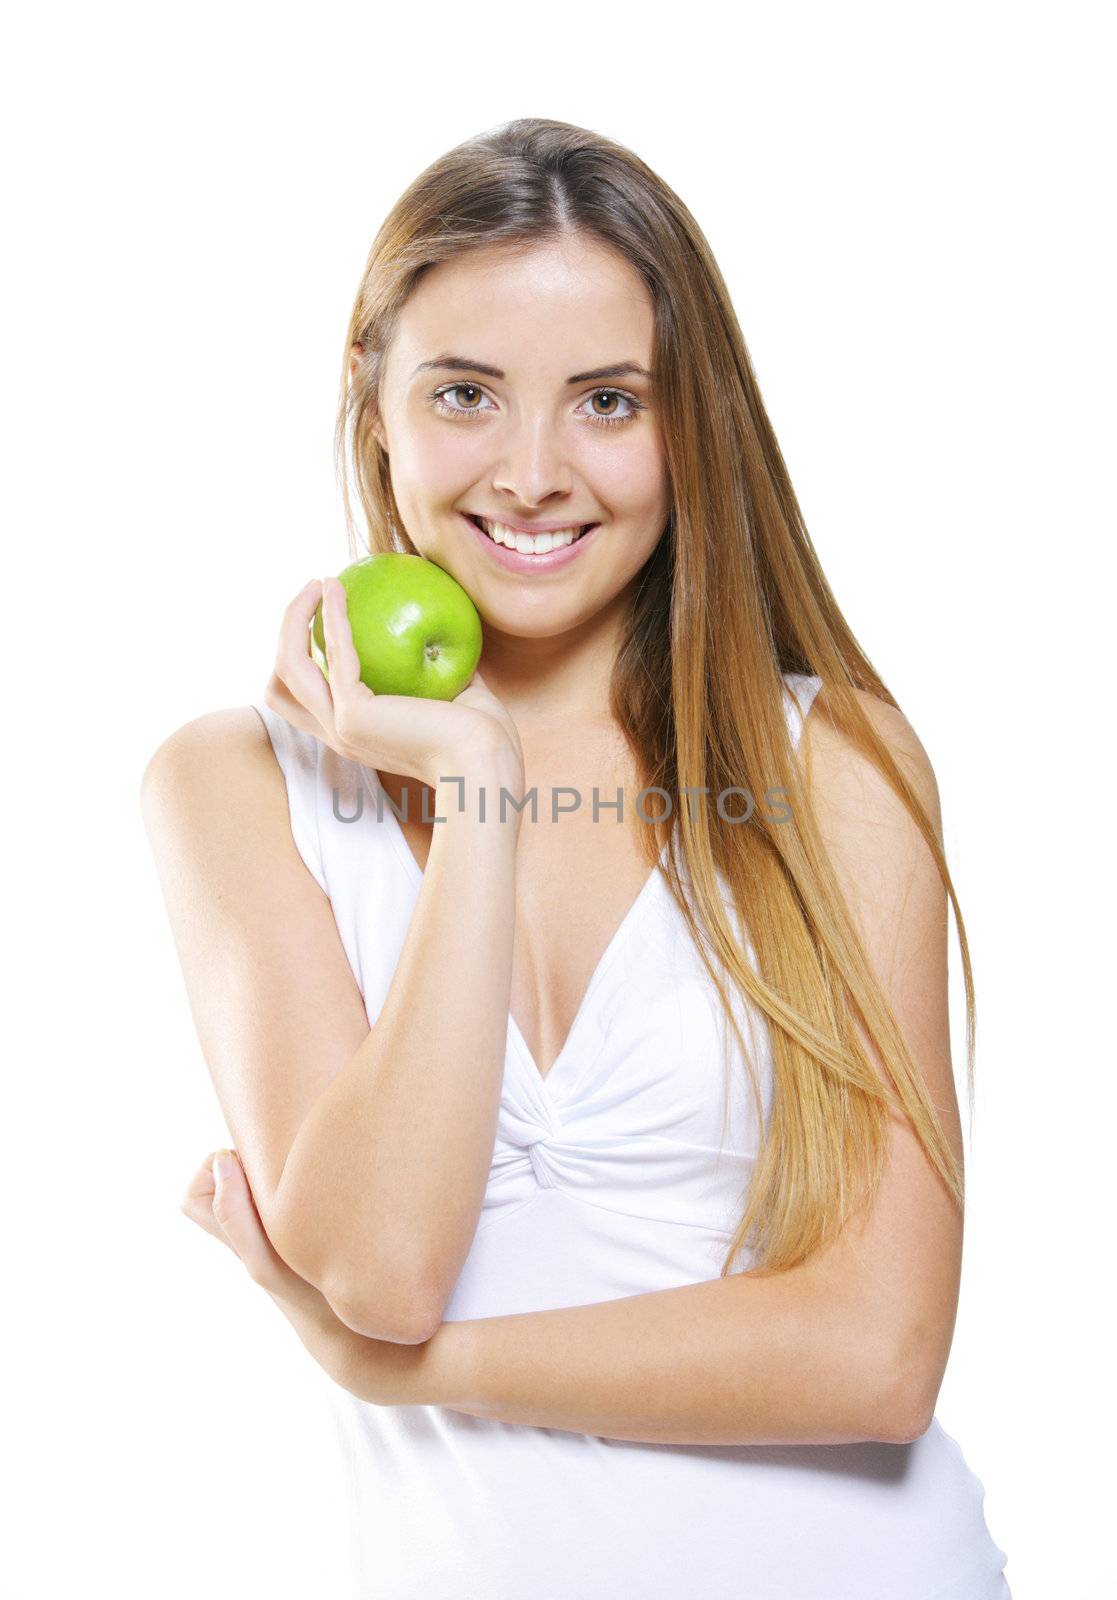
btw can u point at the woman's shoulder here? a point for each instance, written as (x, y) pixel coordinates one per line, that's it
(230, 753)
(232, 731)
(233, 777)
(840, 769)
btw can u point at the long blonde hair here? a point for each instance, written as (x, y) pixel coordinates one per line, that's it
(734, 579)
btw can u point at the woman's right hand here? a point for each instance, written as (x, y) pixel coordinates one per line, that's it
(405, 734)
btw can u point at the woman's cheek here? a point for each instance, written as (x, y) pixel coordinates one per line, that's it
(442, 462)
(630, 481)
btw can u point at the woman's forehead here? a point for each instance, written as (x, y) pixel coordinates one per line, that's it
(516, 312)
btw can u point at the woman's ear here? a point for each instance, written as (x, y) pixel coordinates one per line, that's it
(356, 355)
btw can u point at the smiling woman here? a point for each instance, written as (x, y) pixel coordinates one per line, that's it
(643, 1133)
(550, 457)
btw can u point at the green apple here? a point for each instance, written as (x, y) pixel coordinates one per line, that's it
(415, 630)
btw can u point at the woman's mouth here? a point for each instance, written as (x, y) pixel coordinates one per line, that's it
(527, 552)
(529, 543)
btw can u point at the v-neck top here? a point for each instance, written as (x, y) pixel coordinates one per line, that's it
(623, 1171)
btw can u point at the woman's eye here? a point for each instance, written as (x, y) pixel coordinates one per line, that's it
(470, 389)
(611, 398)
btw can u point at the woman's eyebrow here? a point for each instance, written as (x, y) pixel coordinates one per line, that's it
(451, 363)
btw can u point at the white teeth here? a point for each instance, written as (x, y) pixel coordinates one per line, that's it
(529, 543)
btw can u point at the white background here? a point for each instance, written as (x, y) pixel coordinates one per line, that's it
(910, 207)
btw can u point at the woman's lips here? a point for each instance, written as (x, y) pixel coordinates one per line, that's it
(515, 561)
(515, 528)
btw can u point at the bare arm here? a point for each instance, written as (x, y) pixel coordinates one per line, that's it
(736, 1360)
(386, 1176)
(798, 1358)
(367, 1151)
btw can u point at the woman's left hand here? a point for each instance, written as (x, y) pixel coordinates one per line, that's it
(375, 1370)
(225, 1208)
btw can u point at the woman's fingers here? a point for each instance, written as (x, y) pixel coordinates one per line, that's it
(296, 674)
(224, 1206)
(197, 1202)
(346, 688)
(235, 1211)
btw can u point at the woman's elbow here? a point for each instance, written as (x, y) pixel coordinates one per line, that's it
(403, 1317)
(382, 1302)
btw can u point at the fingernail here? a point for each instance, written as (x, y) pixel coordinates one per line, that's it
(223, 1164)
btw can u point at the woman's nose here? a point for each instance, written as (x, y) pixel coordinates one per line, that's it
(533, 465)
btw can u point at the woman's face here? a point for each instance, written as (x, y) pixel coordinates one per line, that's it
(494, 404)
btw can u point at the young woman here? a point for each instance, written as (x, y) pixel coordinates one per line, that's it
(605, 1152)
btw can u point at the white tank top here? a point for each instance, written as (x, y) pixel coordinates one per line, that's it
(615, 1175)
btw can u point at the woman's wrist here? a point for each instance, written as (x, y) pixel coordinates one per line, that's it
(481, 786)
